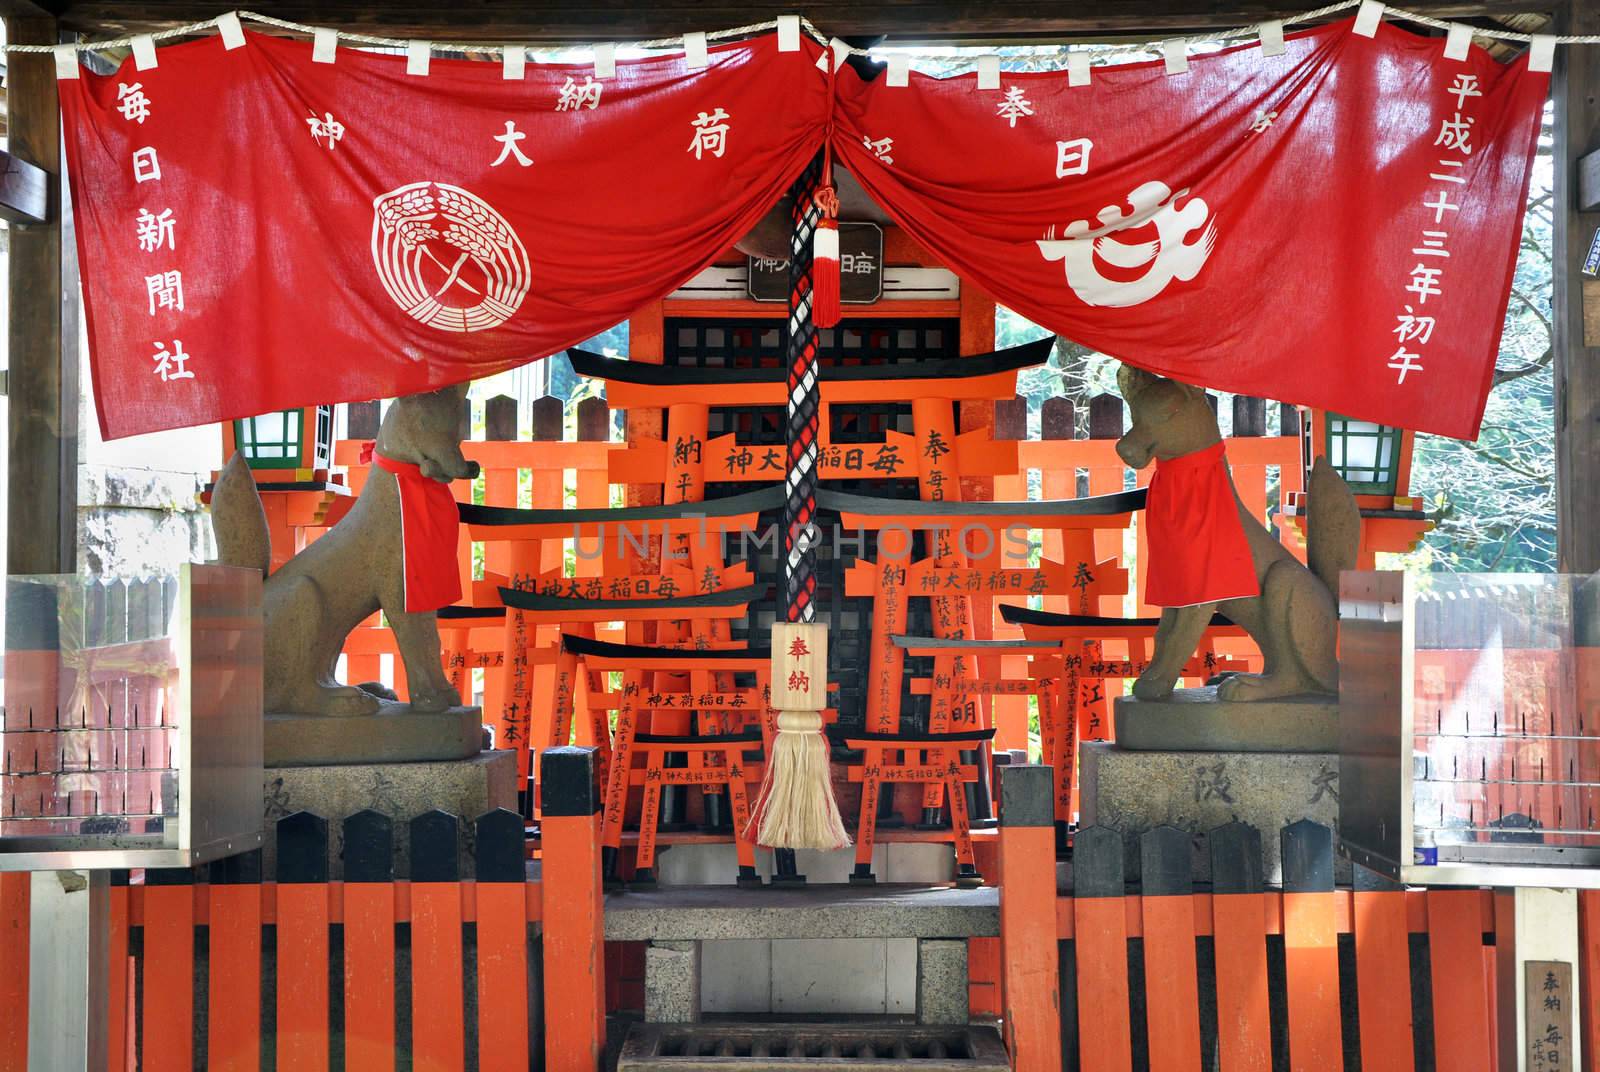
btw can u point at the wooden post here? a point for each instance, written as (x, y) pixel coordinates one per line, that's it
(1576, 300)
(43, 331)
(1171, 979)
(574, 916)
(1100, 929)
(369, 911)
(233, 1043)
(1311, 958)
(501, 871)
(303, 947)
(438, 1037)
(1031, 979)
(1238, 912)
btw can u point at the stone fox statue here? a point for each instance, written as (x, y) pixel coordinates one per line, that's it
(1294, 618)
(356, 568)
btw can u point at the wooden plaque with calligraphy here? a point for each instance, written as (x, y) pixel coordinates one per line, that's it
(860, 268)
(1547, 1020)
(799, 666)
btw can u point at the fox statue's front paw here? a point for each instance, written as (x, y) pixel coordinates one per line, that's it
(347, 701)
(1148, 688)
(432, 701)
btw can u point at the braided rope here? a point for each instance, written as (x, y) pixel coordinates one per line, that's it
(477, 48)
(800, 473)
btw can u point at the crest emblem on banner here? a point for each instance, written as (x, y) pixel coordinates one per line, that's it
(1144, 250)
(447, 258)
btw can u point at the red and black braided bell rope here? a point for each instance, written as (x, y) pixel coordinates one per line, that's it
(800, 474)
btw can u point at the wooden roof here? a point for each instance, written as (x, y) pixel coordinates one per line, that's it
(591, 20)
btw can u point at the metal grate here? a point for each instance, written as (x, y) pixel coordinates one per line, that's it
(817, 1047)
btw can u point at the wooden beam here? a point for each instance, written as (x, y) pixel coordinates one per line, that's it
(1576, 88)
(43, 333)
(585, 20)
(26, 9)
(24, 190)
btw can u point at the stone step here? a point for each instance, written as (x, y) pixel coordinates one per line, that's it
(713, 913)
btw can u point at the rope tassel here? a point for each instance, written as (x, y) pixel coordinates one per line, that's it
(825, 273)
(796, 809)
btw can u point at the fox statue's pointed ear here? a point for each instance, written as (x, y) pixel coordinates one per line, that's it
(1130, 381)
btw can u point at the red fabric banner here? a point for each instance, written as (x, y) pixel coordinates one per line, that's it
(1290, 227)
(1336, 226)
(259, 231)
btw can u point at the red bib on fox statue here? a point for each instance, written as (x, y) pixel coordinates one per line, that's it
(428, 524)
(1198, 549)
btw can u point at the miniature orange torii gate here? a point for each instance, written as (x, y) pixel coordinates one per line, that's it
(740, 711)
(938, 457)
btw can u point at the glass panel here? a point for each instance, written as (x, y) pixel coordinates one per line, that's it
(1502, 755)
(1361, 444)
(269, 427)
(89, 725)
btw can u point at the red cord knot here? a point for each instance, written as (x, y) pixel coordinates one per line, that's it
(827, 200)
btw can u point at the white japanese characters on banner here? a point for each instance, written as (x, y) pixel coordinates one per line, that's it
(339, 225)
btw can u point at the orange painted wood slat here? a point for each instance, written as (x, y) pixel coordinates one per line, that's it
(234, 1018)
(1171, 982)
(574, 930)
(119, 1009)
(1104, 1030)
(1383, 981)
(438, 1031)
(1589, 975)
(1461, 1037)
(14, 922)
(302, 914)
(1029, 961)
(1311, 958)
(369, 919)
(502, 977)
(1244, 1029)
(167, 1033)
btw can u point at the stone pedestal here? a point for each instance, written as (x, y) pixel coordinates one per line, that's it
(464, 787)
(396, 734)
(672, 983)
(1133, 791)
(1194, 720)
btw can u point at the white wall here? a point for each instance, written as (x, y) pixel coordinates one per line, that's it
(138, 498)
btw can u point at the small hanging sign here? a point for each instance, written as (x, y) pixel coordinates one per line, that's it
(1591, 263)
(799, 666)
(1548, 1023)
(860, 268)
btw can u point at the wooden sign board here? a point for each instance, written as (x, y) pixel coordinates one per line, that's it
(799, 666)
(860, 268)
(1548, 1021)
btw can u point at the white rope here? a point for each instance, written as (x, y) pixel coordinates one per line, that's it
(472, 48)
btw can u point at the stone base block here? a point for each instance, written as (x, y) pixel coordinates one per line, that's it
(396, 734)
(1199, 791)
(942, 987)
(1194, 720)
(672, 983)
(464, 787)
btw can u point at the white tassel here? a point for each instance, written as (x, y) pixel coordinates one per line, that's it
(796, 809)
